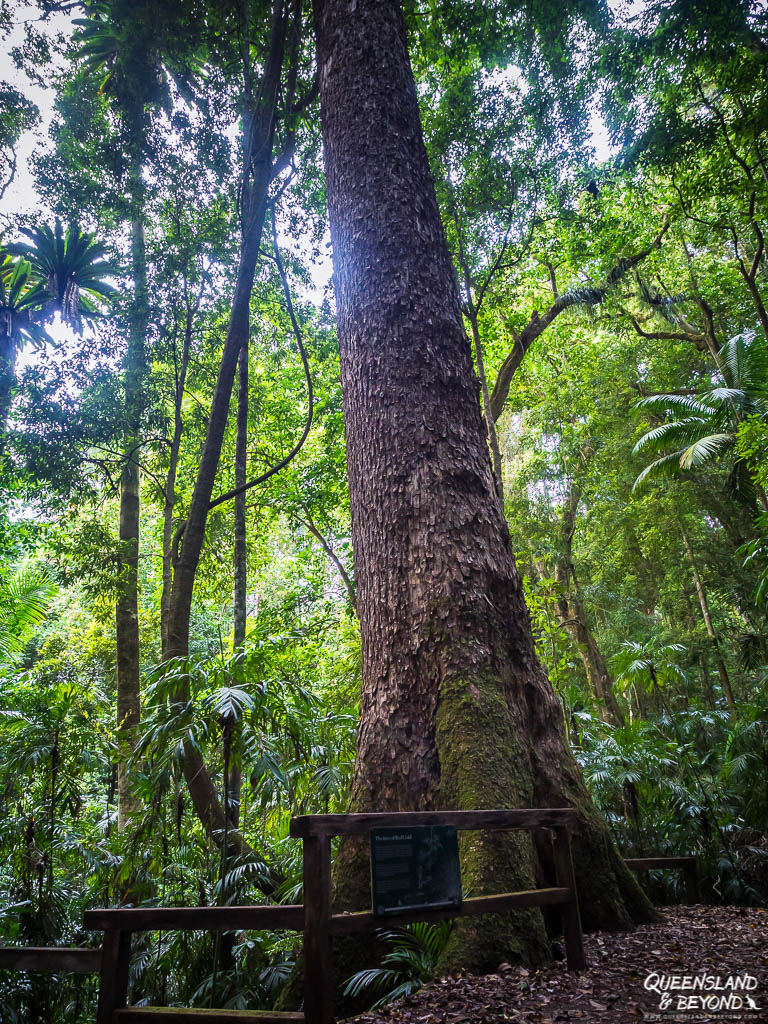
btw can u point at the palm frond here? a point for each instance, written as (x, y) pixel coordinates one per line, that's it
(705, 449)
(666, 466)
(71, 269)
(678, 431)
(24, 600)
(663, 404)
(745, 362)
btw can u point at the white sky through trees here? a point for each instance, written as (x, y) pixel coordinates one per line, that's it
(21, 199)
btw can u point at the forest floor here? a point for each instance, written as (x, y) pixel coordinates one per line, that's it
(723, 942)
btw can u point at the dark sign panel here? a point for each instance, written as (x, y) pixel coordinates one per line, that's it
(414, 868)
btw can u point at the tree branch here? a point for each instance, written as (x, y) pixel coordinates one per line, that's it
(345, 577)
(309, 97)
(299, 341)
(537, 325)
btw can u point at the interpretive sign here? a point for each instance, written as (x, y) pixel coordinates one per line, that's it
(414, 868)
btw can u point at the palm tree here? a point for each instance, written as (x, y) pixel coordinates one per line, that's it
(648, 663)
(73, 266)
(20, 296)
(56, 272)
(118, 43)
(702, 428)
(139, 56)
(137, 50)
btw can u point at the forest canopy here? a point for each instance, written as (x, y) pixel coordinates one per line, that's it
(383, 425)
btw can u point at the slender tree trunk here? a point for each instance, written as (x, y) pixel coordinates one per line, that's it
(233, 782)
(706, 682)
(170, 480)
(201, 787)
(8, 353)
(490, 422)
(751, 283)
(127, 606)
(573, 618)
(456, 710)
(473, 316)
(572, 615)
(258, 144)
(240, 592)
(725, 681)
(241, 451)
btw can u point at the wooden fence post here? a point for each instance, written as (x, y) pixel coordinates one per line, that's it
(574, 946)
(113, 982)
(691, 877)
(318, 978)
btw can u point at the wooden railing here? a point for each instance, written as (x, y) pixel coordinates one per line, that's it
(118, 926)
(57, 959)
(314, 917)
(320, 923)
(685, 864)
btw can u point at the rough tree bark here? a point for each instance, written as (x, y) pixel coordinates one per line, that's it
(456, 710)
(127, 605)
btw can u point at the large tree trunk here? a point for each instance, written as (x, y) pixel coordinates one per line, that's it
(127, 605)
(456, 710)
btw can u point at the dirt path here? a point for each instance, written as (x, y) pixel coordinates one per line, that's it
(720, 943)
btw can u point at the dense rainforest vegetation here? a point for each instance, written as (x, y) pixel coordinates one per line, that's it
(270, 527)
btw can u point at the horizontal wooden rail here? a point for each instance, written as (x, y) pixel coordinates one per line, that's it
(687, 865)
(66, 959)
(650, 863)
(343, 924)
(209, 919)
(315, 918)
(306, 825)
(321, 924)
(180, 1014)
